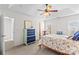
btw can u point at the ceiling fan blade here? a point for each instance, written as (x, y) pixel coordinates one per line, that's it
(41, 13)
(40, 10)
(45, 14)
(53, 10)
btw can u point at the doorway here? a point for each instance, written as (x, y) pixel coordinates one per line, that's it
(8, 32)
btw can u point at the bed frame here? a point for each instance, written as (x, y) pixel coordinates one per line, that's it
(59, 52)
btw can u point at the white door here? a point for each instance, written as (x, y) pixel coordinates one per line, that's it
(2, 51)
(8, 28)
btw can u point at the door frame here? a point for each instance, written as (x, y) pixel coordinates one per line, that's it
(1, 35)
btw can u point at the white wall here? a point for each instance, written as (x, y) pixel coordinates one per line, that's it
(61, 23)
(19, 25)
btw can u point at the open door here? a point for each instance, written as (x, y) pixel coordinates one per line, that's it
(8, 33)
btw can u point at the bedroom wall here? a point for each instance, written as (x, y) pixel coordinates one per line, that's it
(61, 23)
(19, 25)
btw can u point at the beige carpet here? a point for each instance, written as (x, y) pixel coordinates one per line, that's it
(32, 49)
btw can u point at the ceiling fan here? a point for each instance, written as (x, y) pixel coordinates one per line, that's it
(47, 10)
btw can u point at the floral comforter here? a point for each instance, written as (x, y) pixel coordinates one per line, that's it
(62, 45)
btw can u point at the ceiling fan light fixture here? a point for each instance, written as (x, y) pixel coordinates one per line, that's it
(46, 14)
(49, 7)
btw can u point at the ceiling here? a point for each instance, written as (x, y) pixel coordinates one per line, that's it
(31, 9)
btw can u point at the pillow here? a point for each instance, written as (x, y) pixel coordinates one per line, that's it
(59, 32)
(69, 37)
(76, 33)
(76, 36)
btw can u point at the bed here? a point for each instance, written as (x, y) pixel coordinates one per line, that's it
(60, 43)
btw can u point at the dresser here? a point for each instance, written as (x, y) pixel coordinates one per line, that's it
(29, 36)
